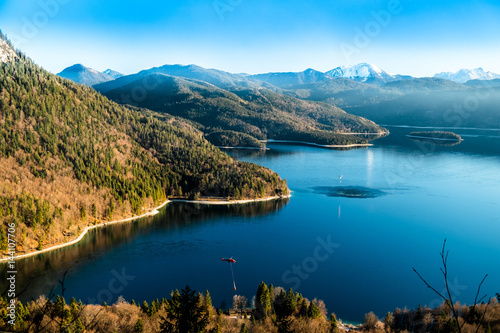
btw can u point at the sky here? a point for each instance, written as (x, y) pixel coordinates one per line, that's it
(418, 37)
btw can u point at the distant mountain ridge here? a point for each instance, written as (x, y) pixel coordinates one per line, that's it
(465, 75)
(88, 76)
(292, 78)
(216, 77)
(363, 72)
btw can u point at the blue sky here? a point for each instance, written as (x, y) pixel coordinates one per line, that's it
(418, 37)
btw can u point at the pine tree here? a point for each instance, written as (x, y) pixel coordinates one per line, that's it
(243, 328)
(388, 320)
(262, 302)
(139, 326)
(333, 323)
(313, 311)
(185, 313)
(207, 302)
(291, 303)
(145, 307)
(303, 309)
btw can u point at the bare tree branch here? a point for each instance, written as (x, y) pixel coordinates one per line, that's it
(449, 299)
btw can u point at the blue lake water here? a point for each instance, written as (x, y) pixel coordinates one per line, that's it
(351, 241)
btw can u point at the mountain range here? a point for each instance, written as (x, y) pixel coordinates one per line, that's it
(464, 75)
(88, 76)
(363, 72)
(249, 99)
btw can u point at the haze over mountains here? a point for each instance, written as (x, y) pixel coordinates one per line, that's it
(285, 104)
(256, 111)
(362, 72)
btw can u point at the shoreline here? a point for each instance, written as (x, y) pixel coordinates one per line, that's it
(254, 148)
(320, 145)
(230, 202)
(152, 212)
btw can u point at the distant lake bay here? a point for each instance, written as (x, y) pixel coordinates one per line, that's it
(357, 222)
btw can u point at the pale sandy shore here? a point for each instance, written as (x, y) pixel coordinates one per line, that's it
(229, 202)
(253, 148)
(152, 212)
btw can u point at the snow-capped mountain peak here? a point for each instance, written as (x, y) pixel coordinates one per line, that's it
(360, 72)
(465, 75)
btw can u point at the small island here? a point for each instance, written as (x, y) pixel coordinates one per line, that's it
(436, 135)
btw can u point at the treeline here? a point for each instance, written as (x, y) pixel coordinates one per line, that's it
(482, 318)
(271, 310)
(86, 159)
(186, 311)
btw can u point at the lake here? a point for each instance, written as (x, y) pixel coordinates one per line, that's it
(357, 222)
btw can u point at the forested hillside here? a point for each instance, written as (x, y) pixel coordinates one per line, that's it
(69, 157)
(258, 112)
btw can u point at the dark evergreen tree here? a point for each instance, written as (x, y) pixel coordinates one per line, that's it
(313, 311)
(139, 326)
(243, 328)
(262, 302)
(333, 323)
(185, 313)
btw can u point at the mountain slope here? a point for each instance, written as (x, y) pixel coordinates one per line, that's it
(424, 84)
(465, 75)
(483, 83)
(259, 112)
(69, 157)
(84, 75)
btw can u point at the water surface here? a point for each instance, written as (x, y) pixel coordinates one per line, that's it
(357, 222)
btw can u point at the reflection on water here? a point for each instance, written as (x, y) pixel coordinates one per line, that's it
(358, 192)
(253, 153)
(39, 273)
(449, 143)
